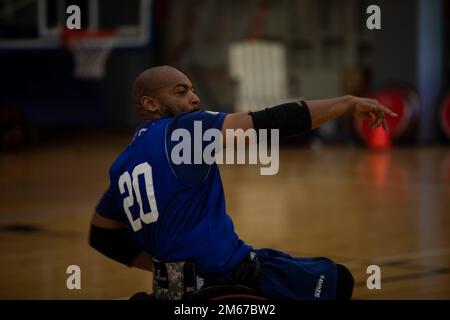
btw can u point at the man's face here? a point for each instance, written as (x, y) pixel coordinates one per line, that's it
(177, 95)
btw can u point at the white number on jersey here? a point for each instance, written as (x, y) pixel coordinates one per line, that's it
(127, 183)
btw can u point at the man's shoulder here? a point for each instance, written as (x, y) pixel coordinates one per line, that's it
(145, 139)
(188, 119)
(198, 114)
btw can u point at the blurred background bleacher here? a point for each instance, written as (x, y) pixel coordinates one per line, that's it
(241, 55)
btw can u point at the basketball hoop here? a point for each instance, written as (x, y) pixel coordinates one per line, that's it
(91, 49)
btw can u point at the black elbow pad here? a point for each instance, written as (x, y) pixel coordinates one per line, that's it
(116, 244)
(290, 118)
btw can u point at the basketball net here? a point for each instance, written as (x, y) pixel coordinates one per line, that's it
(90, 49)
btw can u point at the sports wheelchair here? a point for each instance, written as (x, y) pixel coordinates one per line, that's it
(178, 281)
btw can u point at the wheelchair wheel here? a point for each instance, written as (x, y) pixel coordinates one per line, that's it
(142, 296)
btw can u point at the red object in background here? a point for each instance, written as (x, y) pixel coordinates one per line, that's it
(380, 139)
(445, 116)
(402, 101)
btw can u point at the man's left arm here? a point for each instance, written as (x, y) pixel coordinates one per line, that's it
(112, 239)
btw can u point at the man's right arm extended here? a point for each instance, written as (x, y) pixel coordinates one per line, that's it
(299, 117)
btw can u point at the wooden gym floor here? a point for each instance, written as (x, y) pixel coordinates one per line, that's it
(356, 206)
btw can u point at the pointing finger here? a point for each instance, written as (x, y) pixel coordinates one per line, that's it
(388, 111)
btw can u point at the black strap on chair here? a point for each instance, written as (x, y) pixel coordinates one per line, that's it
(247, 272)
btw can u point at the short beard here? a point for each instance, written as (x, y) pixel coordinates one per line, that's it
(168, 111)
(172, 112)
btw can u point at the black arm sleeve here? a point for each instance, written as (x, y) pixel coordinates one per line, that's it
(290, 118)
(116, 244)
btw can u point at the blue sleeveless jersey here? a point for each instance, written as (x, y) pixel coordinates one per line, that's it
(174, 211)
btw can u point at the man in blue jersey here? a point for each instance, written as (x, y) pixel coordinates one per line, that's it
(159, 209)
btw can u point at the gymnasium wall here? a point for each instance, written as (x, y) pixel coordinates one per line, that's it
(326, 42)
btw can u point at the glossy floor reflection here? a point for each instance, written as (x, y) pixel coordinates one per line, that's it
(358, 207)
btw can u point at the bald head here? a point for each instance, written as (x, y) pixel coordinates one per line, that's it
(159, 84)
(152, 80)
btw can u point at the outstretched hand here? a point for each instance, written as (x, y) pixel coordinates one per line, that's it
(372, 110)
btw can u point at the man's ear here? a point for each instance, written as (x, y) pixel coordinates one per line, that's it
(150, 104)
